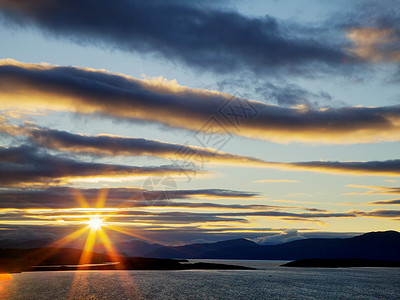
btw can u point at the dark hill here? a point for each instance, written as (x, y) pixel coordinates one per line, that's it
(63, 259)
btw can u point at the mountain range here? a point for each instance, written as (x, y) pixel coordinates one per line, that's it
(373, 245)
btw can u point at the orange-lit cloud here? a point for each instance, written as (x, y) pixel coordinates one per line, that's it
(88, 91)
(67, 197)
(386, 202)
(116, 145)
(25, 165)
(356, 168)
(375, 44)
(374, 190)
(276, 180)
(112, 145)
(153, 218)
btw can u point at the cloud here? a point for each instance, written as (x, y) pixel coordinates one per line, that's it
(116, 145)
(25, 165)
(151, 218)
(279, 238)
(112, 145)
(159, 233)
(384, 202)
(67, 197)
(373, 29)
(382, 213)
(357, 168)
(390, 180)
(87, 91)
(18, 217)
(375, 44)
(200, 36)
(276, 180)
(375, 190)
(282, 93)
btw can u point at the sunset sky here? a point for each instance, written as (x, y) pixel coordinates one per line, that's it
(188, 121)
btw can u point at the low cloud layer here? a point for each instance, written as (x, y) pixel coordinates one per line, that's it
(116, 145)
(87, 91)
(67, 197)
(111, 145)
(150, 218)
(279, 238)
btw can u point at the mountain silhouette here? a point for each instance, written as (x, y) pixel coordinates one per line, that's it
(372, 245)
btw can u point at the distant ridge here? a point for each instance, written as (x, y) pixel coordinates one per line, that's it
(341, 263)
(380, 245)
(373, 245)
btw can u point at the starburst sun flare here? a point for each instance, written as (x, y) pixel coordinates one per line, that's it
(95, 223)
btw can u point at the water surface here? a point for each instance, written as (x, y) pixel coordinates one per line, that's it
(270, 282)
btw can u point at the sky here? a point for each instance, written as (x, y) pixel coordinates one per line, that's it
(198, 121)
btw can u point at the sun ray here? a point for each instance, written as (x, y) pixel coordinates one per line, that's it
(86, 255)
(69, 238)
(111, 251)
(80, 279)
(80, 199)
(40, 255)
(101, 198)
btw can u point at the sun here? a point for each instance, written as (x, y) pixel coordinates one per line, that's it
(95, 223)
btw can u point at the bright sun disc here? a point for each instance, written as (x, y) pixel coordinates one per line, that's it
(95, 223)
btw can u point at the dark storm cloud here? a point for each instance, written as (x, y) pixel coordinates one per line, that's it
(89, 91)
(204, 37)
(24, 165)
